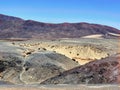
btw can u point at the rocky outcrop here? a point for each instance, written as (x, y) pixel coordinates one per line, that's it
(33, 69)
(10, 68)
(41, 66)
(105, 71)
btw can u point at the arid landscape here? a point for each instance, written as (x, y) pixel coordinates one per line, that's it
(60, 62)
(61, 56)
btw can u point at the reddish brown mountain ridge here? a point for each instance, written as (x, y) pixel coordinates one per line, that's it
(13, 27)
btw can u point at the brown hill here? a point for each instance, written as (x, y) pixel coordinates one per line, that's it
(13, 27)
(105, 71)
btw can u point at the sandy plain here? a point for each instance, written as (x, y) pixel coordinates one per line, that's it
(62, 87)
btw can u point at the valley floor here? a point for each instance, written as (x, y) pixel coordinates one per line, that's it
(35, 61)
(63, 87)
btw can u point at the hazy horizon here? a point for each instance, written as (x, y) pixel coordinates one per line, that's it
(105, 12)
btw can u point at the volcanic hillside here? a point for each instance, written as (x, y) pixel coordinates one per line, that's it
(13, 27)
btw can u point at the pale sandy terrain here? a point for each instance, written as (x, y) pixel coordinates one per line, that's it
(114, 34)
(63, 87)
(94, 36)
(98, 36)
(81, 50)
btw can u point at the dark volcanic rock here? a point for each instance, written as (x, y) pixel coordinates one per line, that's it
(10, 68)
(12, 27)
(43, 66)
(105, 71)
(35, 69)
(36, 74)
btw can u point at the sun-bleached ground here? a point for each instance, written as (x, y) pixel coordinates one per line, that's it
(94, 36)
(63, 87)
(82, 50)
